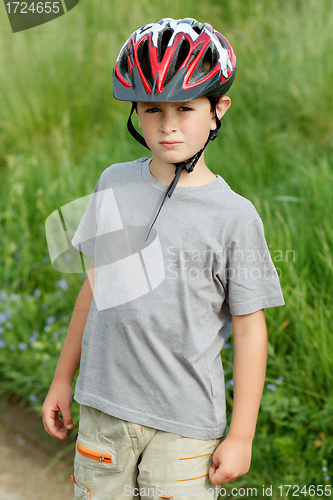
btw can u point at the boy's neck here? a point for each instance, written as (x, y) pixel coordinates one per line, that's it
(165, 173)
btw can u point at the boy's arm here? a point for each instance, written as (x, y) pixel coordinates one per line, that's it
(232, 458)
(59, 397)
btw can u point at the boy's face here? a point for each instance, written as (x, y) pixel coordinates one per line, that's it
(175, 131)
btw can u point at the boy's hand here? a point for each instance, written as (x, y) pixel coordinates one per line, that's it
(231, 460)
(58, 399)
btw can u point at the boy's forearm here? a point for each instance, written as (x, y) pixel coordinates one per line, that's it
(250, 357)
(69, 360)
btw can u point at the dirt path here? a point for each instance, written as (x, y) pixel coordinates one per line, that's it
(22, 469)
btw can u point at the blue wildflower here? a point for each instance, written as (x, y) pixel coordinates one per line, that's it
(22, 346)
(47, 329)
(3, 296)
(37, 293)
(227, 346)
(62, 284)
(33, 399)
(271, 387)
(3, 343)
(5, 315)
(9, 325)
(33, 337)
(230, 383)
(279, 380)
(50, 320)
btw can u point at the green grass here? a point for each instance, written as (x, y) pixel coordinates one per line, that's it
(60, 128)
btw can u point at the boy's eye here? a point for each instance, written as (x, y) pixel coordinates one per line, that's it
(185, 108)
(152, 110)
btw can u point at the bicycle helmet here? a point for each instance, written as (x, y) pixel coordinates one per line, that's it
(174, 61)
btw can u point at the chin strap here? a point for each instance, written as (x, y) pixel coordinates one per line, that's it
(134, 133)
(188, 166)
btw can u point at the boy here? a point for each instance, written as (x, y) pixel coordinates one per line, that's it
(173, 269)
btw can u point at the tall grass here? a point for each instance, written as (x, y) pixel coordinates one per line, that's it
(60, 128)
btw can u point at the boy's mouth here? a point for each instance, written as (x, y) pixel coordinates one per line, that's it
(170, 144)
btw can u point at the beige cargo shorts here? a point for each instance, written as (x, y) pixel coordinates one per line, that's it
(118, 460)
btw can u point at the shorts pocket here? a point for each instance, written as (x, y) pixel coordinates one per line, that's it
(98, 455)
(81, 491)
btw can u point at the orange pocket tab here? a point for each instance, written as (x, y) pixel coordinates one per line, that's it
(94, 455)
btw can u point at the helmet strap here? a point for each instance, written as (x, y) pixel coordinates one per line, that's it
(134, 133)
(214, 133)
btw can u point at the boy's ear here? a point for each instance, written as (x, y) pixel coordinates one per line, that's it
(222, 106)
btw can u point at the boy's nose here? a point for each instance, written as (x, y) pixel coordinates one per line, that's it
(168, 123)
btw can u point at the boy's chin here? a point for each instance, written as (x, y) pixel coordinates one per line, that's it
(171, 160)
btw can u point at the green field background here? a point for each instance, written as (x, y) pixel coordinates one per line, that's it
(60, 128)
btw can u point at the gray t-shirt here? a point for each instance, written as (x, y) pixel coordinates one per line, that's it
(162, 306)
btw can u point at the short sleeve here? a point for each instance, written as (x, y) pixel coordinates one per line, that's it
(84, 237)
(100, 222)
(252, 280)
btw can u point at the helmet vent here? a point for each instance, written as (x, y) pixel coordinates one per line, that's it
(123, 65)
(222, 40)
(143, 56)
(209, 60)
(181, 56)
(183, 53)
(198, 29)
(206, 64)
(145, 27)
(163, 42)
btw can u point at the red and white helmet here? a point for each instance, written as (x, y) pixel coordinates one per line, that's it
(173, 61)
